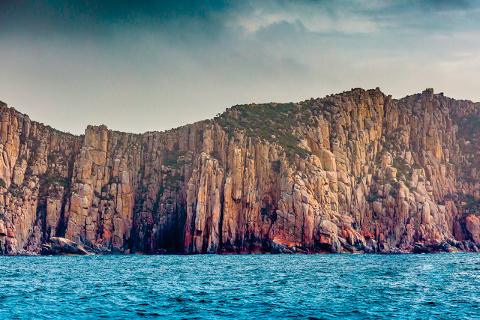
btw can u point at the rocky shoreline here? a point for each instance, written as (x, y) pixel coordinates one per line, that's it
(62, 246)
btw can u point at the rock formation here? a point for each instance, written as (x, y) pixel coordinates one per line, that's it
(353, 172)
(63, 246)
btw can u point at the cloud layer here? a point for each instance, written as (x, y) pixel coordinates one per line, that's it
(157, 65)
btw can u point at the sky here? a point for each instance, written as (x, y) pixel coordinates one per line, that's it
(140, 66)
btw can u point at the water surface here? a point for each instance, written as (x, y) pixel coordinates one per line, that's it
(438, 286)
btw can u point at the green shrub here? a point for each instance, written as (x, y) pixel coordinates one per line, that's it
(372, 197)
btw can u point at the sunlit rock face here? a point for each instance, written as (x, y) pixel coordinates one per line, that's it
(352, 172)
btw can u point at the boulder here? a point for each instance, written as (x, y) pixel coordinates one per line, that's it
(472, 224)
(59, 246)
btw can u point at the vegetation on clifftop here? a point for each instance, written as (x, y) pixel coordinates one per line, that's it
(274, 122)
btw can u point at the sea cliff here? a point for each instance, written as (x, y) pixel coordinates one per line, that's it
(357, 171)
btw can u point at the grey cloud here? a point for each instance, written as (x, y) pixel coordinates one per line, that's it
(157, 66)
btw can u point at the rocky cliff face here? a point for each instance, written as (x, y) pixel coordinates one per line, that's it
(352, 172)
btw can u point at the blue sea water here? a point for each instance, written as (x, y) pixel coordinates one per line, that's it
(437, 286)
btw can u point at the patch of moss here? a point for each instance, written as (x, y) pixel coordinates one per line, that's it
(358, 180)
(174, 158)
(172, 182)
(276, 166)
(15, 191)
(403, 167)
(55, 178)
(469, 125)
(143, 189)
(394, 190)
(416, 166)
(156, 204)
(116, 180)
(372, 197)
(472, 205)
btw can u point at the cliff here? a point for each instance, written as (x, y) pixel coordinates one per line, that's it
(352, 172)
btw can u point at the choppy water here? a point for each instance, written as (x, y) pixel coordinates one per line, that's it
(441, 286)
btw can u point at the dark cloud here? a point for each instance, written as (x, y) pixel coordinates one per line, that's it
(101, 18)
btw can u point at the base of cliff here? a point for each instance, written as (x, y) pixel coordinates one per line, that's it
(63, 246)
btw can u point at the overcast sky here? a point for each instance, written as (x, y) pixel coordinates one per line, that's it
(157, 65)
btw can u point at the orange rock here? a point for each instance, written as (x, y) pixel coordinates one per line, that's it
(10, 233)
(472, 224)
(367, 234)
(106, 235)
(3, 229)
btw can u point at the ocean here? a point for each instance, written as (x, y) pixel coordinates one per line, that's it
(335, 286)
